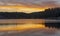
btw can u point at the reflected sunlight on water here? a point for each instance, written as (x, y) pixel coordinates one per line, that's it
(32, 28)
(21, 27)
(28, 30)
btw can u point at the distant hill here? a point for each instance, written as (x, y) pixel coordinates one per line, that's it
(52, 13)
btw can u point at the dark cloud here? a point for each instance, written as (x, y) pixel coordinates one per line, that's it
(50, 4)
(32, 3)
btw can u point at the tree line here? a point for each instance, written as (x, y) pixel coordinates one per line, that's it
(51, 13)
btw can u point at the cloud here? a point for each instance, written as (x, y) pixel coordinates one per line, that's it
(50, 4)
(32, 3)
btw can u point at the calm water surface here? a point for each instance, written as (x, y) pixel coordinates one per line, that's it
(28, 29)
(39, 31)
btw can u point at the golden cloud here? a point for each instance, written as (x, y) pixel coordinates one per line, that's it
(20, 9)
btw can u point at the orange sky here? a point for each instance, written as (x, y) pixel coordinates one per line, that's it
(27, 6)
(26, 9)
(22, 8)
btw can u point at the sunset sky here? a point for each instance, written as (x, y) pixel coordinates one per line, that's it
(28, 5)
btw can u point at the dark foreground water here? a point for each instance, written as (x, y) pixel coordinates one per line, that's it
(39, 31)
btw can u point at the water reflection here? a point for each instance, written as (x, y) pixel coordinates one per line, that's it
(53, 25)
(28, 30)
(20, 26)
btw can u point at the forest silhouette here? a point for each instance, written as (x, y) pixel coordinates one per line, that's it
(51, 13)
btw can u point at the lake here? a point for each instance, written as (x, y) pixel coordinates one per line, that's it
(27, 28)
